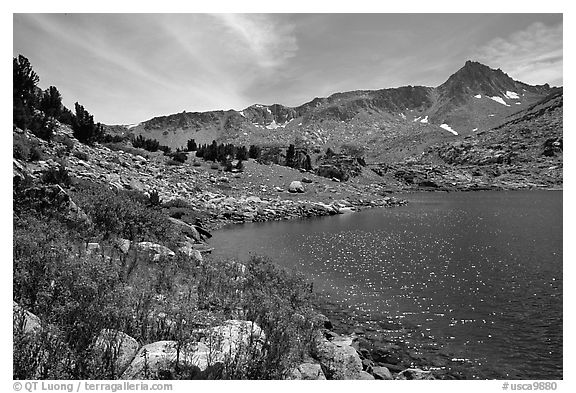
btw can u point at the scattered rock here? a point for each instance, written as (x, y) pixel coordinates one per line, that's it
(324, 321)
(296, 186)
(308, 371)
(338, 362)
(93, 248)
(157, 251)
(365, 376)
(123, 245)
(191, 252)
(380, 372)
(416, 374)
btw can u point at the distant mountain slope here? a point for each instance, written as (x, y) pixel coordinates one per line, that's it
(388, 123)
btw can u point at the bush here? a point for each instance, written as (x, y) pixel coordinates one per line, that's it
(36, 154)
(64, 140)
(124, 214)
(26, 149)
(81, 155)
(57, 176)
(180, 157)
(145, 143)
(80, 294)
(178, 202)
(154, 199)
(42, 126)
(269, 296)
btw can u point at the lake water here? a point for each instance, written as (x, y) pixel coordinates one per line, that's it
(479, 274)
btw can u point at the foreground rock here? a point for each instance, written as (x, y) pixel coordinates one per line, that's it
(156, 251)
(338, 359)
(296, 186)
(116, 347)
(28, 322)
(220, 344)
(416, 374)
(160, 360)
(381, 373)
(308, 371)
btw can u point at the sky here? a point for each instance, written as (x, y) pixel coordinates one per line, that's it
(127, 68)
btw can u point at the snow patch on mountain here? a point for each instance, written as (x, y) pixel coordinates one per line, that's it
(402, 115)
(499, 100)
(424, 120)
(478, 96)
(274, 125)
(418, 118)
(512, 95)
(242, 114)
(448, 128)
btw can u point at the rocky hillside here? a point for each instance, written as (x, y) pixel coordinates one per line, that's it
(526, 151)
(388, 123)
(257, 193)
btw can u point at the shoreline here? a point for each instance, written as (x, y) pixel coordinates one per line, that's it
(374, 335)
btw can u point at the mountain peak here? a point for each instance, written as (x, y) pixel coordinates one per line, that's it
(477, 78)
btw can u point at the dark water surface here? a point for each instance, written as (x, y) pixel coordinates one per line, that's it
(479, 274)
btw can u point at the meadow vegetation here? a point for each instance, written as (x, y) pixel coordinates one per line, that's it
(77, 290)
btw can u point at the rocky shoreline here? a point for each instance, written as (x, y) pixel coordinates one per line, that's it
(384, 342)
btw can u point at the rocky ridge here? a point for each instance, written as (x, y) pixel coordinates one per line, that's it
(387, 122)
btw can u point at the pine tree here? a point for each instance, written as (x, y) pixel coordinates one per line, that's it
(51, 103)
(191, 145)
(290, 156)
(24, 91)
(84, 128)
(242, 153)
(254, 152)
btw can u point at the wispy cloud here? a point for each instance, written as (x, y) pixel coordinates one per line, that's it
(267, 41)
(532, 55)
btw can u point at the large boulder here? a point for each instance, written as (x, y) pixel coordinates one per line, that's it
(187, 229)
(123, 245)
(159, 360)
(220, 344)
(29, 322)
(381, 373)
(191, 253)
(156, 251)
(296, 186)
(339, 360)
(117, 347)
(233, 337)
